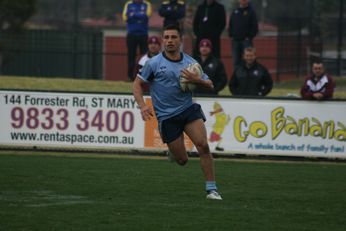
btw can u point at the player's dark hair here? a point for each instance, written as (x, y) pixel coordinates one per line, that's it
(173, 27)
(317, 61)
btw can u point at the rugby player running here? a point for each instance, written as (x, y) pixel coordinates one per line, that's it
(175, 111)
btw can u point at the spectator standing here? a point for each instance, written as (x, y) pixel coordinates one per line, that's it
(154, 48)
(243, 27)
(209, 22)
(173, 11)
(319, 85)
(136, 14)
(212, 66)
(250, 78)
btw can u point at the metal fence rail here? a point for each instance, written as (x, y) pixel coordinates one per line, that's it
(89, 54)
(52, 53)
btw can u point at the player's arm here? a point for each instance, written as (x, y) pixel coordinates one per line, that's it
(137, 91)
(206, 83)
(194, 78)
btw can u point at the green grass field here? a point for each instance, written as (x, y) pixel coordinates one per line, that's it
(72, 191)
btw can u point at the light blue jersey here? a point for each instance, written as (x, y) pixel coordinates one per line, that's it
(162, 74)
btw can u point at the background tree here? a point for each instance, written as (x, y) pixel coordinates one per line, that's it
(14, 14)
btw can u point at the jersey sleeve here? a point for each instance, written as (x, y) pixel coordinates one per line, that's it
(146, 72)
(205, 76)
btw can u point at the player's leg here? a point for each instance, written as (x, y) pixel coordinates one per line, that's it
(171, 131)
(177, 148)
(198, 135)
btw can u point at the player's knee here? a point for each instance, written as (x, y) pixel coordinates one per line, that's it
(203, 148)
(182, 162)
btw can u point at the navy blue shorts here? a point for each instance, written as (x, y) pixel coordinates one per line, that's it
(172, 128)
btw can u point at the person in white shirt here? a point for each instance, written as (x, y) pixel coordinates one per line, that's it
(154, 47)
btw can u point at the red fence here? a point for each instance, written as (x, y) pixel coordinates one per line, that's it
(115, 59)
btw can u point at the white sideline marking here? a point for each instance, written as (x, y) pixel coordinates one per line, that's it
(41, 198)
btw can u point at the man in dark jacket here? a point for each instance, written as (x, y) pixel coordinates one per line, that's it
(173, 11)
(250, 78)
(319, 85)
(209, 22)
(213, 67)
(243, 27)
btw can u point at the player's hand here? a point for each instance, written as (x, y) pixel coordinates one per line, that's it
(189, 77)
(146, 113)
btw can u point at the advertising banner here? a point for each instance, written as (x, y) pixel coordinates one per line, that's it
(276, 127)
(70, 119)
(234, 125)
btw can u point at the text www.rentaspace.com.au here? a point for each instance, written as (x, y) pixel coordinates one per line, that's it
(71, 138)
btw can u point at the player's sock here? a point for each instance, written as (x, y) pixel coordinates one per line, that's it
(210, 186)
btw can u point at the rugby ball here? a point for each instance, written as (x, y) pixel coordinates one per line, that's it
(195, 68)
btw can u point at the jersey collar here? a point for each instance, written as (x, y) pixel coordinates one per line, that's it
(176, 61)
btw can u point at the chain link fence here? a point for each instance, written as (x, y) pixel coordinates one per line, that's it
(67, 39)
